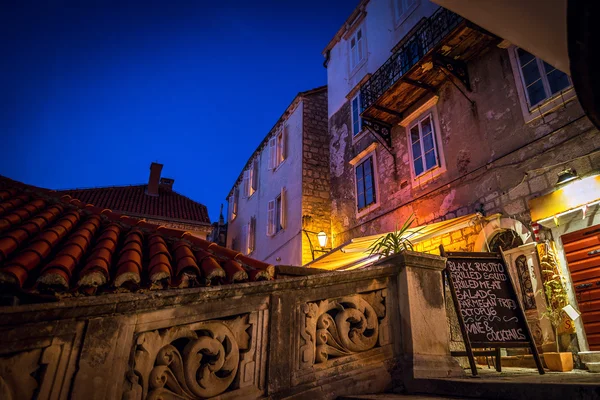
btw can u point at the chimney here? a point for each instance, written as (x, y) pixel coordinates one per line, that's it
(167, 184)
(155, 169)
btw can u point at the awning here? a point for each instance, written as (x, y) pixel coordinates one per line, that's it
(354, 254)
(579, 195)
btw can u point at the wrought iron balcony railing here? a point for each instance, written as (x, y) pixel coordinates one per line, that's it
(426, 35)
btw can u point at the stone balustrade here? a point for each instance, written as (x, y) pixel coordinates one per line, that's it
(318, 335)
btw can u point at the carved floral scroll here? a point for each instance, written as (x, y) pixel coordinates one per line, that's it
(343, 326)
(189, 362)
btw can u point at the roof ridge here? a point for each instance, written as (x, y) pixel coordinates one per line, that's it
(98, 187)
(194, 214)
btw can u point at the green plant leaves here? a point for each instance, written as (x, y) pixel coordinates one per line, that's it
(394, 242)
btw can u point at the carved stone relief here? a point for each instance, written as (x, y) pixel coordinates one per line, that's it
(16, 380)
(343, 326)
(195, 361)
(525, 283)
(40, 373)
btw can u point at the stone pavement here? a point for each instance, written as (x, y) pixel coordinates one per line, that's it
(511, 383)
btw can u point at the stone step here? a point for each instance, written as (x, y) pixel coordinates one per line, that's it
(593, 366)
(386, 396)
(506, 389)
(589, 356)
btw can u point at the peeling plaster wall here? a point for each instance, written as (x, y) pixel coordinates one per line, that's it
(493, 158)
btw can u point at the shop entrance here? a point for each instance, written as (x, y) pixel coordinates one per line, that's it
(582, 249)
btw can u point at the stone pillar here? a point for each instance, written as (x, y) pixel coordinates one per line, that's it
(423, 326)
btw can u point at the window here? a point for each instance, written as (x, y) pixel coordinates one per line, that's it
(249, 234)
(276, 214)
(356, 120)
(277, 148)
(357, 48)
(251, 179)
(233, 204)
(235, 244)
(402, 9)
(423, 145)
(365, 184)
(540, 80)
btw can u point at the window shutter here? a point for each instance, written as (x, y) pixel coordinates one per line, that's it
(284, 138)
(246, 183)
(252, 236)
(271, 218)
(236, 195)
(283, 208)
(245, 239)
(272, 152)
(254, 176)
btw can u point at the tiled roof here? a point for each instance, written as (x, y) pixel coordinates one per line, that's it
(55, 245)
(133, 199)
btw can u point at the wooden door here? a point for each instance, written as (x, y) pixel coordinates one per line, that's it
(582, 249)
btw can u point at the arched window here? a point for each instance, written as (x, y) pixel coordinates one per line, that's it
(506, 239)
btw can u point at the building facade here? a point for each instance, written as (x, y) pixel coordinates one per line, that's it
(432, 116)
(281, 200)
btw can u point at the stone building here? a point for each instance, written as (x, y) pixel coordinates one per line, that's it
(432, 116)
(155, 202)
(281, 201)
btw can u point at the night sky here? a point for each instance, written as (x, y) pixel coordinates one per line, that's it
(91, 92)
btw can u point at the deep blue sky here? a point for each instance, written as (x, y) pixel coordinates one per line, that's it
(91, 92)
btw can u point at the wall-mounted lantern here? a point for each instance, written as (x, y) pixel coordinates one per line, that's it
(322, 239)
(322, 236)
(566, 175)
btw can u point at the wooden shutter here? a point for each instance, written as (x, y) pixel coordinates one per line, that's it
(245, 239)
(252, 235)
(272, 152)
(236, 195)
(271, 218)
(283, 208)
(246, 183)
(254, 180)
(284, 139)
(231, 214)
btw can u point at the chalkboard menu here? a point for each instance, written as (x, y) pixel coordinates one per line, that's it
(486, 304)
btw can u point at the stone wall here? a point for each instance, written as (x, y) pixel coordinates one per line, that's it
(459, 240)
(296, 337)
(494, 160)
(316, 200)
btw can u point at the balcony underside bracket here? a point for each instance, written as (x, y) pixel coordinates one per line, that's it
(388, 111)
(380, 130)
(419, 84)
(455, 67)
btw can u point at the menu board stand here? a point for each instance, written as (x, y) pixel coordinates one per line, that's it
(525, 338)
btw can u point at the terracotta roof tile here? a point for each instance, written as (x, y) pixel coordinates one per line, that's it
(61, 246)
(133, 199)
(234, 271)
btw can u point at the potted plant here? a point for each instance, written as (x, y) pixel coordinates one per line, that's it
(556, 300)
(394, 242)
